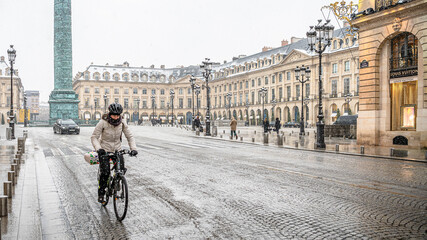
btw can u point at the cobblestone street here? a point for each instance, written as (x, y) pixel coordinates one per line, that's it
(187, 187)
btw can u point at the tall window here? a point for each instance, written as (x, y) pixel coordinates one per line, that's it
(346, 86)
(273, 79)
(162, 92)
(307, 90)
(116, 100)
(252, 97)
(153, 92)
(247, 84)
(259, 81)
(180, 91)
(334, 88)
(144, 103)
(288, 92)
(273, 94)
(144, 91)
(96, 90)
(280, 93)
(334, 68)
(189, 102)
(162, 103)
(240, 99)
(297, 91)
(106, 90)
(135, 90)
(357, 85)
(347, 66)
(181, 103)
(86, 90)
(266, 80)
(126, 105)
(253, 82)
(126, 90)
(116, 91)
(288, 76)
(241, 85)
(280, 77)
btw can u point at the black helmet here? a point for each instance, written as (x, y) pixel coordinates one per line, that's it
(115, 109)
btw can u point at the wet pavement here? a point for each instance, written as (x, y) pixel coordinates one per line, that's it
(187, 187)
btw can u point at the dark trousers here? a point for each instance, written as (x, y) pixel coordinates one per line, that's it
(233, 133)
(104, 167)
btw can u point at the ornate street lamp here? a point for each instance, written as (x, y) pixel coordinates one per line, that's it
(192, 83)
(263, 92)
(207, 67)
(11, 52)
(228, 95)
(197, 91)
(105, 103)
(247, 111)
(273, 103)
(172, 94)
(153, 98)
(303, 72)
(137, 104)
(96, 104)
(348, 98)
(25, 110)
(319, 37)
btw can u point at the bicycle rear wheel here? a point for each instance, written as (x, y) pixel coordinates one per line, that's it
(120, 198)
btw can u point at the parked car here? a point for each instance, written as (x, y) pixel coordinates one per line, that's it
(346, 120)
(292, 124)
(62, 126)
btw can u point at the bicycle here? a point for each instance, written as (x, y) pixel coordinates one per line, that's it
(117, 186)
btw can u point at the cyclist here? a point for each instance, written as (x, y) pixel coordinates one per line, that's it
(107, 137)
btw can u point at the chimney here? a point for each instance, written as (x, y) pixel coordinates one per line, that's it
(264, 49)
(162, 66)
(284, 42)
(152, 66)
(235, 58)
(225, 61)
(2, 58)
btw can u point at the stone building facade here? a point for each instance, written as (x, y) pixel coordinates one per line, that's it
(242, 77)
(18, 90)
(393, 79)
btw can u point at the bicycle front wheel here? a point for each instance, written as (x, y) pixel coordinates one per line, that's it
(120, 198)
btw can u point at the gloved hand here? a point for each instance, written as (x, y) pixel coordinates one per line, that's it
(133, 153)
(101, 152)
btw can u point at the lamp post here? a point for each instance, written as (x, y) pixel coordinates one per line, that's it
(168, 105)
(11, 52)
(207, 67)
(319, 37)
(263, 92)
(172, 94)
(197, 90)
(153, 98)
(25, 110)
(96, 103)
(247, 111)
(303, 72)
(105, 103)
(137, 104)
(273, 103)
(228, 95)
(192, 83)
(348, 98)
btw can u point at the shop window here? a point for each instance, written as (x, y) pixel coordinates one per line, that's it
(404, 56)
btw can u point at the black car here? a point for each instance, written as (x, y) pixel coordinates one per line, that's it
(62, 126)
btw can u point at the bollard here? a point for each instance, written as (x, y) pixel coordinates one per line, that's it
(3, 206)
(238, 131)
(220, 136)
(362, 149)
(197, 132)
(253, 139)
(329, 137)
(241, 139)
(21, 144)
(290, 134)
(296, 144)
(265, 138)
(284, 138)
(279, 140)
(14, 168)
(314, 146)
(308, 133)
(392, 152)
(11, 177)
(8, 189)
(337, 147)
(254, 131)
(223, 131)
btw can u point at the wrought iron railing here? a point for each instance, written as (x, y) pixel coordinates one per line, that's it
(384, 4)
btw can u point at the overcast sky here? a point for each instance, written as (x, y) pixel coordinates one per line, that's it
(142, 32)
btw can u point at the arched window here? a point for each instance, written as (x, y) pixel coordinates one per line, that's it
(106, 76)
(87, 75)
(404, 51)
(116, 77)
(125, 76)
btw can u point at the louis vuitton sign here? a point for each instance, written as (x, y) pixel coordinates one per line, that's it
(403, 73)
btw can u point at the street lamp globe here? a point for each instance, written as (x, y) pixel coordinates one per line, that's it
(11, 52)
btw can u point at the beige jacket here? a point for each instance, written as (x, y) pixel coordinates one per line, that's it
(233, 124)
(107, 136)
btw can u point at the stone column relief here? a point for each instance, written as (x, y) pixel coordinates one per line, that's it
(63, 100)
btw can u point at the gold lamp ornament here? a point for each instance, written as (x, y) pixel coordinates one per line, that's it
(343, 11)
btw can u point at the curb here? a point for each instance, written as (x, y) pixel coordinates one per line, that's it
(322, 151)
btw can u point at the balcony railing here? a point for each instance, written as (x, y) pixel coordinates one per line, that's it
(333, 95)
(401, 63)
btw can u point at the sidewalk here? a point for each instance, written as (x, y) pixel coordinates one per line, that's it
(346, 146)
(35, 210)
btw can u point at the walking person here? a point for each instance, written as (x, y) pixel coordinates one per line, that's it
(266, 125)
(233, 126)
(277, 125)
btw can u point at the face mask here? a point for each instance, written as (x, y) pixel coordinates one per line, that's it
(114, 122)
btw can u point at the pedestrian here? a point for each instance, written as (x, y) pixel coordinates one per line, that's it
(277, 125)
(197, 122)
(107, 138)
(233, 126)
(266, 125)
